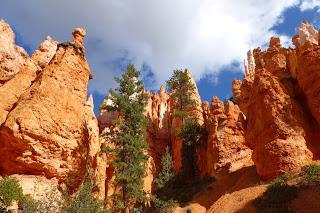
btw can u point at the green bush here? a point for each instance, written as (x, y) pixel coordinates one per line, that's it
(28, 205)
(277, 197)
(162, 206)
(84, 202)
(181, 190)
(180, 114)
(10, 190)
(190, 132)
(310, 174)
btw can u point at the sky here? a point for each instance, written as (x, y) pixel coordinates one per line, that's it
(209, 37)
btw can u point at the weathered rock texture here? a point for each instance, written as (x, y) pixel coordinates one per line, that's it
(225, 150)
(45, 191)
(160, 118)
(45, 53)
(280, 128)
(221, 151)
(47, 127)
(26, 75)
(12, 57)
(49, 134)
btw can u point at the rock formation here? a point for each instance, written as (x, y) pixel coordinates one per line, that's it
(26, 75)
(221, 151)
(50, 137)
(307, 64)
(249, 65)
(226, 150)
(159, 116)
(12, 57)
(45, 53)
(47, 128)
(280, 129)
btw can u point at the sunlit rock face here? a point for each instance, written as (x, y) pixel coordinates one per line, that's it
(225, 149)
(220, 151)
(47, 126)
(307, 64)
(25, 75)
(49, 133)
(45, 53)
(282, 128)
(12, 57)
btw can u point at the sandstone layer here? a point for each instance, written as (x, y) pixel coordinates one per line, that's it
(47, 127)
(281, 127)
(12, 57)
(226, 150)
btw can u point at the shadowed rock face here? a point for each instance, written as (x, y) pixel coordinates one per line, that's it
(47, 129)
(280, 128)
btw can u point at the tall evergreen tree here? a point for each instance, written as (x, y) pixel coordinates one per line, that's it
(166, 170)
(129, 140)
(181, 88)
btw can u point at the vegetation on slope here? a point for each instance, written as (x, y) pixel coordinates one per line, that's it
(84, 202)
(10, 191)
(282, 190)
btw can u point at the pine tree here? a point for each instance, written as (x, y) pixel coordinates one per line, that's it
(166, 172)
(181, 88)
(190, 132)
(130, 159)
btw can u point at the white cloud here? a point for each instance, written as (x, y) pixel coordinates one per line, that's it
(202, 35)
(309, 4)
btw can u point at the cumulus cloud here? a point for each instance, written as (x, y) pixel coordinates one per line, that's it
(310, 4)
(204, 36)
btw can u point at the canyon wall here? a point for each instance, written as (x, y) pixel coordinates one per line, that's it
(49, 133)
(220, 151)
(280, 98)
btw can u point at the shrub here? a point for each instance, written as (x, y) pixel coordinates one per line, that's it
(277, 197)
(84, 202)
(181, 190)
(180, 114)
(278, 182)
(10, 190)
(190, 132)
(28, 205)
(162, 206)
(310, 174)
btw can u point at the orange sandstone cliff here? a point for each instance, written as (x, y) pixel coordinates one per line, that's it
(49, 134)
(282, 124)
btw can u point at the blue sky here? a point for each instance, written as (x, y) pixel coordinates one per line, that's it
(209, 37)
